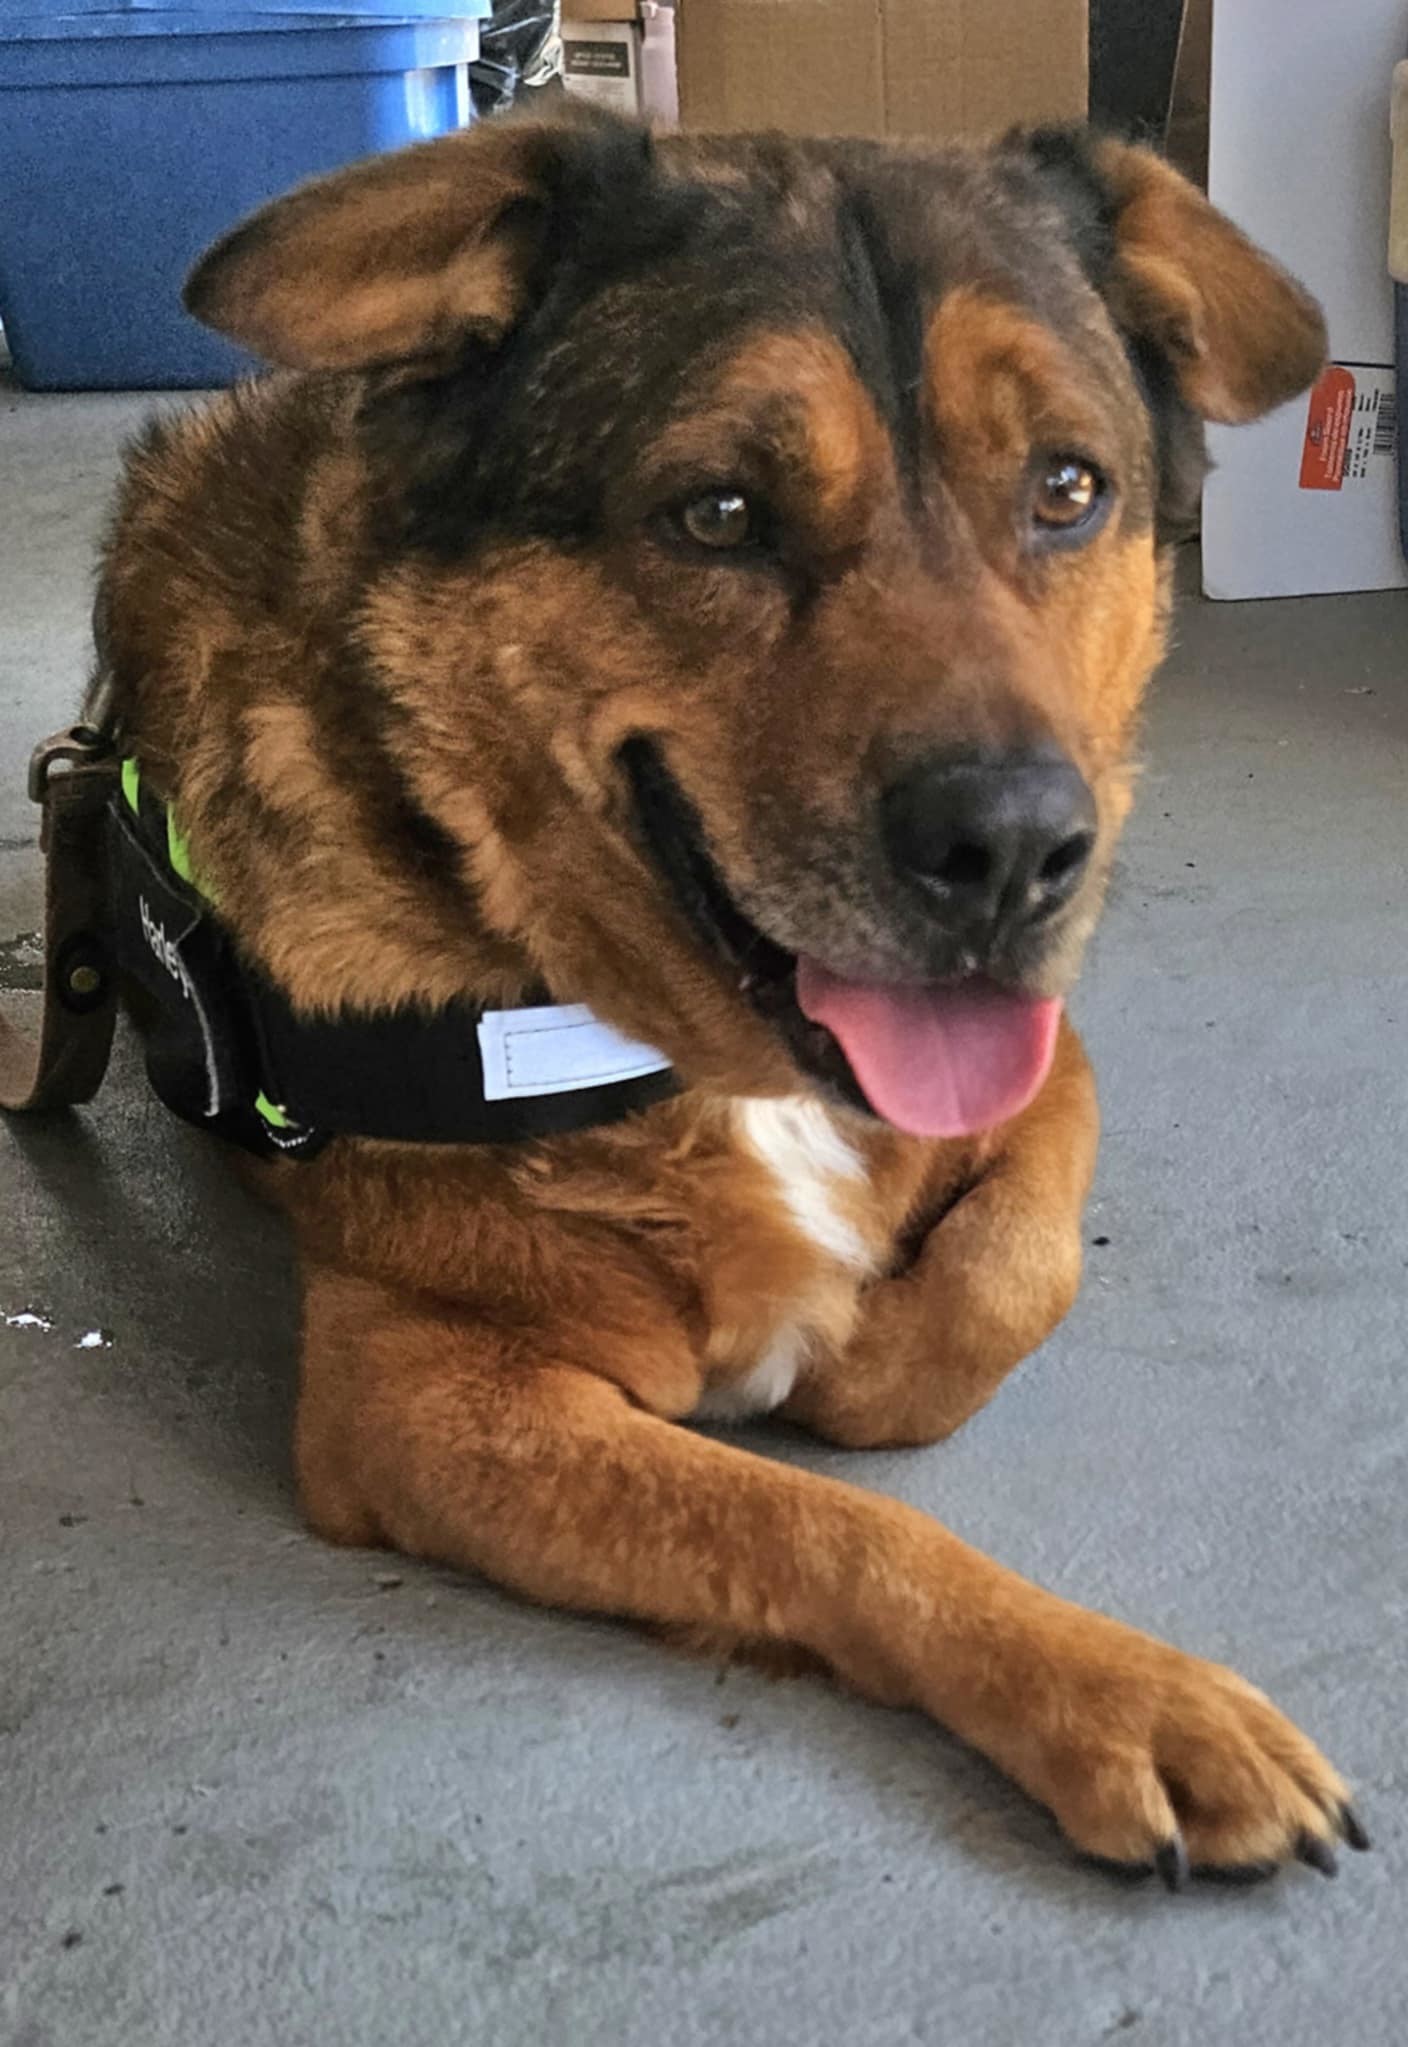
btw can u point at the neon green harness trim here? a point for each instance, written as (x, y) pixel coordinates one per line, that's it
(179, 853)
(178, 850)
(271, 1112)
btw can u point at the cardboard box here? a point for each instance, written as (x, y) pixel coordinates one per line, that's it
(1307, 500)
(940, 69)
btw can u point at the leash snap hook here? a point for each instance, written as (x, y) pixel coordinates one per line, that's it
(83, 746)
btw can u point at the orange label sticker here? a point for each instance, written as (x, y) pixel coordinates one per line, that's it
(1327, 430)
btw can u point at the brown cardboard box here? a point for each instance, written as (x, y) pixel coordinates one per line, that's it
(934, 68)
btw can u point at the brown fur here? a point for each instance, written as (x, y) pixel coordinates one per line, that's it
(1182, 279)
(396, 760)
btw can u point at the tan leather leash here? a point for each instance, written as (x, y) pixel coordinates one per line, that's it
(71, 777)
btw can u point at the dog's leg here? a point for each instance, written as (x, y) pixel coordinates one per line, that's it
(992, 1279)
(486, 1448)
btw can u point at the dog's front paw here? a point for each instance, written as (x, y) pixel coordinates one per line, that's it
(1153, 1760)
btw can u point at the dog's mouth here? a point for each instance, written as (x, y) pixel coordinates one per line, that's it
(942, 1059)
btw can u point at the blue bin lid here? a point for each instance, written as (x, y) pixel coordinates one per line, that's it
(154, 46)
(95, 23)
(24, 18)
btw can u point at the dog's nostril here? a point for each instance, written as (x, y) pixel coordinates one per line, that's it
(997, 839)
(1063, 861)
(962, 866)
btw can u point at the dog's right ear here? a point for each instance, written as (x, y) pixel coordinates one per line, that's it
(1236, 332)
(408, 255)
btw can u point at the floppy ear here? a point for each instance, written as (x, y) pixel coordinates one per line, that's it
(1237, 332)
(410, 254)
(1241, 335)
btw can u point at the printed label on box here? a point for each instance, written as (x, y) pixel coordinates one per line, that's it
(596, 60)
(1351, 424)
(601, 62)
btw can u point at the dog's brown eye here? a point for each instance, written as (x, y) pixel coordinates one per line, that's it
(720, 518)
(1068, 493)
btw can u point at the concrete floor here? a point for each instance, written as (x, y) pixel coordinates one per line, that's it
(258, 1791)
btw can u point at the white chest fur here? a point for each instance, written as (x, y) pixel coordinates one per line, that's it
(811, 1163)
(812, 1166)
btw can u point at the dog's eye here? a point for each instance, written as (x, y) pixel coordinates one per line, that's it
(1070, 493)
(719, 519)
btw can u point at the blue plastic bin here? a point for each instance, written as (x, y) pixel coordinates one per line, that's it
(130, 140)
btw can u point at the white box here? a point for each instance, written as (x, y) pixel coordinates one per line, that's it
(1306, 501)
(621, 53)
(601, 62)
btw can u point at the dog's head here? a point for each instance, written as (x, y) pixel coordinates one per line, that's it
(767, 560)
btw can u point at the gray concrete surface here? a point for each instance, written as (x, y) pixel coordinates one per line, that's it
(256, 1791)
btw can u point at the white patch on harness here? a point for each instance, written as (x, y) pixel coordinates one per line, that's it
(796, 1137)
(554, 1050)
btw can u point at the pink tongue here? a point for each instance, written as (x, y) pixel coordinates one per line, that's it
(937, 1062)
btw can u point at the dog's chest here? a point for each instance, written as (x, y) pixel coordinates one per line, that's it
(816, 1194)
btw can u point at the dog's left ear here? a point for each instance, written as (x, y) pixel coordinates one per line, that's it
(403, 257)
(1238, 333)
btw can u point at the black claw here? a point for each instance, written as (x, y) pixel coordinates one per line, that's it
(1237, 1875)
(1352, 1827)
(1171, 1862)
(1127, 1874)
(1316, 1854)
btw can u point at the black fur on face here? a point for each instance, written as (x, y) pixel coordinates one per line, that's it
(656, 260)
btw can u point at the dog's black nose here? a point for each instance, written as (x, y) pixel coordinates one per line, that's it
(997, 839)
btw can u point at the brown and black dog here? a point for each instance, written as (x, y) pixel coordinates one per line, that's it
(714, 581)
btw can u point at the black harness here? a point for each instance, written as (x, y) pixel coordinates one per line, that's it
(226, 1051)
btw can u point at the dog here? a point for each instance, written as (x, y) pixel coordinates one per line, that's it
(699, 591)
